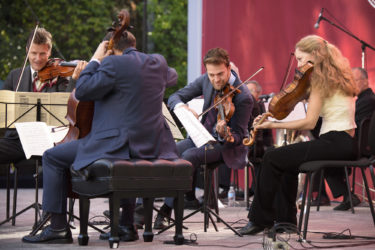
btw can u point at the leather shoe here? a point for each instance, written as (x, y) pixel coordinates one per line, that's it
(251, 229)
(50, 236)
(126, 233)
(345, 205)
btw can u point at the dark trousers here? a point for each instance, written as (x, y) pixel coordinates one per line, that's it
(11, 151)
(56, 165)
(285, 161)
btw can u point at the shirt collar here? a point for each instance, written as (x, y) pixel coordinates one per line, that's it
(232, 79)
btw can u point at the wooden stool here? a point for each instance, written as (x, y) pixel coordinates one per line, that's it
(118, 179)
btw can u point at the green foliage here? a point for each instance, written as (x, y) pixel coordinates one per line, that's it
(168, 35)
(77, 27)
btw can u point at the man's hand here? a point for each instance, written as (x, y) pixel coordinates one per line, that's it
(221, 127)
(77, 71)
(102, 52)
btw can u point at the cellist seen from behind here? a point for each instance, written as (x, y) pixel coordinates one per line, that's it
(127, 89)
(331, 96)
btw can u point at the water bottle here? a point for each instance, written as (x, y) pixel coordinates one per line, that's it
(231, 197)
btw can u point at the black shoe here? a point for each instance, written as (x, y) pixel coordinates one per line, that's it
(50, 236)
(191, 204)
(345, 205)
(126, 233)
(324, 201)
(163, 217)
(251, 229)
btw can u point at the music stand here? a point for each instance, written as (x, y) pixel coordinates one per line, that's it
(36, 205)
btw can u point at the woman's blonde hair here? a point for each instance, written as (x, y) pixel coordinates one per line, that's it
(332, 70)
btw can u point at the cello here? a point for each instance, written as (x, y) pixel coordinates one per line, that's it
(80, 113)
(282, 104)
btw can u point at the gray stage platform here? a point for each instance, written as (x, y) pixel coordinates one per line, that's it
(327, 220)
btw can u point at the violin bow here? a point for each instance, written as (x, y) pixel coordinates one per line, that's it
(27, 56)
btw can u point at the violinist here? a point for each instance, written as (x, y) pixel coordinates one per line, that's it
(127, 89)
(331, 95)
(39, 52)
(231, 150)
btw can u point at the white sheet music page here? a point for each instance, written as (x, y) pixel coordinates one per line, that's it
(35, 138)
(195, 129)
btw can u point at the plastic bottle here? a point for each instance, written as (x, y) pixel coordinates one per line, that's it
(231, 197)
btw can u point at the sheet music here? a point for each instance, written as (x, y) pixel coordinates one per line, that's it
(7, 96)
(195, 129)
(176, 133)
(29, 100)
(35, 138)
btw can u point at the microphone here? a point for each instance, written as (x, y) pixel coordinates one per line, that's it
(266, 97)
(320, 17)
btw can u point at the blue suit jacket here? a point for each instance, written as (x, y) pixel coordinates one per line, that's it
(128, 122)
(234, 154)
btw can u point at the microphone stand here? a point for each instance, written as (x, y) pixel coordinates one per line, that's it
(364, 44)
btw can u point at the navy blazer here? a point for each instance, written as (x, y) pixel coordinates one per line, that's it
(234, 154)
(128, 122)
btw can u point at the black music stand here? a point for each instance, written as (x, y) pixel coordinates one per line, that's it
(36, 205)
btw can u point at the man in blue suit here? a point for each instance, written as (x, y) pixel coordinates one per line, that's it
(218, 75)
(127, 89)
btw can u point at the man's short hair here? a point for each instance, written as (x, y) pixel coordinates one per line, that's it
(216, 56)
(126, 40)
(42, 36)
(363, 72)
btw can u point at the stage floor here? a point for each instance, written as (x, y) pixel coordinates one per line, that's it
(326, 220)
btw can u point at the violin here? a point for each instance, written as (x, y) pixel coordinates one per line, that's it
(80, 113)
(56, 67)
(225, 108)
(282, 104)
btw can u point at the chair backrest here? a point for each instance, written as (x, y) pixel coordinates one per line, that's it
(371, 135)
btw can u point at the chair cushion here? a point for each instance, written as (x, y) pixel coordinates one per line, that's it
(312, 166)
(135, 177)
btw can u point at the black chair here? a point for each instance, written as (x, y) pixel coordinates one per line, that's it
(117, 179)
(209, 199)
(35, 205)
(366, 145)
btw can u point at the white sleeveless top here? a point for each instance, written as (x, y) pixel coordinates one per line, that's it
(338, 113)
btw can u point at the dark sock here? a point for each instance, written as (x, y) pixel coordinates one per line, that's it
(58, 221)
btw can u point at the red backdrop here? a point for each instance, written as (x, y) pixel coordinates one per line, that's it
(263, 33)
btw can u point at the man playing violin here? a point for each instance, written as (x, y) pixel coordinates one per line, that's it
(127, 89)
(39, 52)
(218, 75)
(331, 95)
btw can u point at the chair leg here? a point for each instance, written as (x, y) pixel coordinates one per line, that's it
(148, 204)
(304, 194)
(353, 179)
(348, 188)
(15, 189)
(320, 188)
(178, 214)
(84, 208)
(114, 208)
(8, 192)
(368, 195)
(309, 198)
